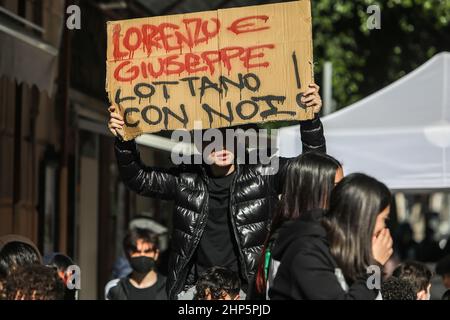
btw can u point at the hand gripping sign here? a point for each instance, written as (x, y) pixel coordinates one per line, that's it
(223, 68)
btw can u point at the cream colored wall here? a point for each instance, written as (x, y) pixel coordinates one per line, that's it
(88, 227)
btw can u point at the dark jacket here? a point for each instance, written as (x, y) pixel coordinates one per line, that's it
(271, 262)
(120, 291)
(307, 270)
(253, 196)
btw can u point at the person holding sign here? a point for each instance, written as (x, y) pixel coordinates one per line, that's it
(222, 210)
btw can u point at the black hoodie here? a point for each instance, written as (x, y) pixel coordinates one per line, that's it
(307, 270)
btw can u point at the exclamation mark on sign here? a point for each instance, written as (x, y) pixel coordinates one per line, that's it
(299, 83)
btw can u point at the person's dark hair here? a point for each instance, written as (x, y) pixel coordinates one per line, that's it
(446, 295)
(354, 206)
(416, 273)
(34, 282)
(443, 266)
(59, 261)
(135, 234)
(217, 282)
(397, 289)
(309, 180)
(14, 255)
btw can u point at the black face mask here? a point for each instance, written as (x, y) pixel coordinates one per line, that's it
(142, 264)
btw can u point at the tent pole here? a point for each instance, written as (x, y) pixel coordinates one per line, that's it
(327, 88)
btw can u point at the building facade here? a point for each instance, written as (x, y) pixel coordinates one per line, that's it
(59, 183)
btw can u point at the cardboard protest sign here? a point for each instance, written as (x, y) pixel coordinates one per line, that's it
(222, 68)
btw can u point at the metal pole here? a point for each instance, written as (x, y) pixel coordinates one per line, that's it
(327, 88)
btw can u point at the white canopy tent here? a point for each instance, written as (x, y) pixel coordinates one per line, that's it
(399, 135)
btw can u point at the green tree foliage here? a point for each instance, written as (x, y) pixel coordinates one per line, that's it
(364, 61)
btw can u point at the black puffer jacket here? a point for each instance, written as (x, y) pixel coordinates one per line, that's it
(254, 195)
(307, 270)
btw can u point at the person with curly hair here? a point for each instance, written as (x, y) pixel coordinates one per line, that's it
(218, 283)
(398, 289)
(35, 282)
(418, 275)
(16, 252)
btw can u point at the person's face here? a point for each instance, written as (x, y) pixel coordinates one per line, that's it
(446, 280)
(339, 176)
(220, 156)
(380, 223)
(144, 249)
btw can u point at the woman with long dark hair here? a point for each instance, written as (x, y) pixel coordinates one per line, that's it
(309, 181)
(330, 259)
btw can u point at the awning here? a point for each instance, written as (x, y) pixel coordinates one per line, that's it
(26, 58)
(399, 135)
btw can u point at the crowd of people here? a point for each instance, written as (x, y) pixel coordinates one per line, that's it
(304, 232)
(312, 274)
(26, 275)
